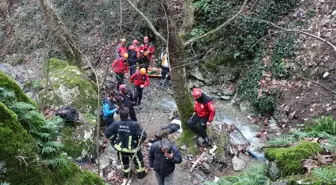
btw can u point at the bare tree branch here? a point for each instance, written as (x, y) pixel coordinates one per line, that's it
(148, 21)
(189, 18)
(318, 84)
(218, 28)
(291, 30)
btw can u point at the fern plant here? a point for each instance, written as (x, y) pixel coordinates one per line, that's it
(45, 132)
(325, 175)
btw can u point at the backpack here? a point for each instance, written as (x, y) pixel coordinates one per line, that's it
(68, 114)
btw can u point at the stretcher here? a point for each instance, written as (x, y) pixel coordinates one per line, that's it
(154, 72)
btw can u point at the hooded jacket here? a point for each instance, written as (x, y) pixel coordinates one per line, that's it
(120, 66)
(160, 163)
(125, 136)
(204, 108)
(109, 108)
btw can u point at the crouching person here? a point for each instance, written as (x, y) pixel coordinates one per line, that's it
(125, 136)
(162, 158)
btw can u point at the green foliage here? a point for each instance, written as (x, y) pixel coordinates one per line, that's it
(324, 127)
(4, 183)
(254, 175)
(29, 146)
(241, 33)
(325, 174)
(289, 160)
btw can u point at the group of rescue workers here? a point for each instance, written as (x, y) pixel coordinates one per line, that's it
(127, 135)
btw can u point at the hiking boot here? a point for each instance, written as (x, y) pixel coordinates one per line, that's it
(206, 142)
(142, 174)
(196, 137)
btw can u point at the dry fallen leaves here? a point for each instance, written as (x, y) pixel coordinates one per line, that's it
(325, 159)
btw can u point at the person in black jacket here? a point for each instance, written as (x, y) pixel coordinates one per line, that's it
(125, 98)
(162, 158)
(126, 136)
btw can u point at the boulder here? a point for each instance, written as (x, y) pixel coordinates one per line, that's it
(225, 97)
(196, 73)
(71, 87)
(228, 92)
(238, 164)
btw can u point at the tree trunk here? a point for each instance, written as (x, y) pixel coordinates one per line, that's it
(178, 74)
(63, 37)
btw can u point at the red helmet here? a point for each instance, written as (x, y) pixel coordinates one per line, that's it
(135, 42)
(132, 47)
(122, 87)
(196, 93)
(146, 39)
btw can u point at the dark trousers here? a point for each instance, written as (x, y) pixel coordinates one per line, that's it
(132, 113)
(164, 72)
(138, 94)
(132, 67)
(108, 121)
(125, 159)
(120, 79)
(198, 125)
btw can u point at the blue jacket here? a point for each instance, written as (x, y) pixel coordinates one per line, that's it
(160, 163)
(109, 108)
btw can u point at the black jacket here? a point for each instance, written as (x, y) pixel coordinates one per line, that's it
(160, 163)
(127, 98)
(125, 133)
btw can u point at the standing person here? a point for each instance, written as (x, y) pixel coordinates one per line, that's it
(165, 68)
(147, 49)
(204, 112)
(126, 99)
(121, 48)
(134, 56)
(125, 136)
(109, 108)
(162, 158)
(120, 66)
(141, 80)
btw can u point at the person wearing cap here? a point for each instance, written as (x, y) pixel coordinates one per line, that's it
(162, 159)
(141, 80)
(134, 56)
(204, 112)
(120, 66)
(125, 98)
(121, 49)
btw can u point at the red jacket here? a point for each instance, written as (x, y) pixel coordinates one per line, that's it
(140, 79)
(120, 66)
(204, 107)
(150, 48)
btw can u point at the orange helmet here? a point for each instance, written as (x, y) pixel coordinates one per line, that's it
(146, 39)
(125, 55)
(143, 71)
(196, 93)
(135, 42)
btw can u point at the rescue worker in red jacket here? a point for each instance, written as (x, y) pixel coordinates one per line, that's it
(147, 50)
(120, 66)
(134, 56)
(121, 49)
(204, 112)
(125, 136)
(141, 80)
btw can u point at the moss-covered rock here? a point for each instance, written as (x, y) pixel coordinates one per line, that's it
(72, 87)
(20, 160)
(289, 160)
(10, 84)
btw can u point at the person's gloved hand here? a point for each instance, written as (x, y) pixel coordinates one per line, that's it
(142, 86)
(208, 123)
